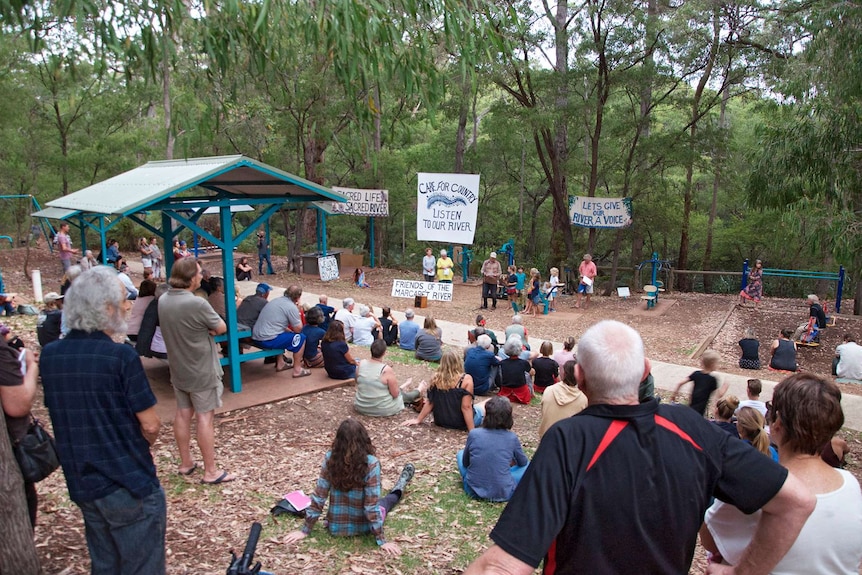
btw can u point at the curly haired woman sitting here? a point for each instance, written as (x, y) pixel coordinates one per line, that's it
(350, 480)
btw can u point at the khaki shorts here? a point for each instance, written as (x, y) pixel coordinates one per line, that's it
(201, 401)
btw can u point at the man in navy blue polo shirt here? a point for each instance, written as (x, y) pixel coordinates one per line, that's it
(622, 487)
(104, 419)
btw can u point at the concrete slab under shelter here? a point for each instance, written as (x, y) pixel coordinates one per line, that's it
(261, 385)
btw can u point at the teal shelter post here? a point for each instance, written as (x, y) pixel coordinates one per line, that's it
(225, 218)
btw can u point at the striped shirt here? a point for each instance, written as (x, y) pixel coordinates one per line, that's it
(352, 512)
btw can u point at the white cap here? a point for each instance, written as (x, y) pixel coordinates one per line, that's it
(494, 255)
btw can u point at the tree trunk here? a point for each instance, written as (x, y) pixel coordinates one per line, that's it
(618, 242)
(602, 93)
(170, 138)
(718, 161)
(461, 134)
(562, 244)
(685, 280)
(17, 548)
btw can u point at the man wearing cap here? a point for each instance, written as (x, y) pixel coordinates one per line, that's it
(407, 331)
(345, 316)
(250, 308)
(263, 254)
(491, 271)
(50, 319)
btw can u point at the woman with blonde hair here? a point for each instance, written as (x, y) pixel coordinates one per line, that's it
(450, 397)
(750, 425)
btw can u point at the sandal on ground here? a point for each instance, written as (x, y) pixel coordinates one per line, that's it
(303, 373)
(225, 477)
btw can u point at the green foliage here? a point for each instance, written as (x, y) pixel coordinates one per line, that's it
(369, 94)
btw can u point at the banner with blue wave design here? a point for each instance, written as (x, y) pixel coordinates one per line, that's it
(447, 207)
(588, 212)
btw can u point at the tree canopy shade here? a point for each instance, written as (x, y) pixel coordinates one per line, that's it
(653, 101)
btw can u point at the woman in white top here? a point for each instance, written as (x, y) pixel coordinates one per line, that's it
(429, 265)
(363, 329)
(806, 413)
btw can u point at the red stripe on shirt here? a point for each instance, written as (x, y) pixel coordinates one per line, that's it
(613, 430)
(551, 560)
(673, 428)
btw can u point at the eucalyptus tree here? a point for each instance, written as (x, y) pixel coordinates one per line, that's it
(810, 165)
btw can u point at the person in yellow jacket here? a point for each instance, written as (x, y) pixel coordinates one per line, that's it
(445, 268)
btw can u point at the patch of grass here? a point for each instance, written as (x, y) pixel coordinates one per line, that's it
(403, 356)
(434, 509)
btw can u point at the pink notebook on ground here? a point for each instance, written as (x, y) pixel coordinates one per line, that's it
(298, 499)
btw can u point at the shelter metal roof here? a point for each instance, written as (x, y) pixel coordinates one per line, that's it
(55, 213)
(235, 176)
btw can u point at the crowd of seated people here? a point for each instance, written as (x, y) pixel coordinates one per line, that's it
(804, 415)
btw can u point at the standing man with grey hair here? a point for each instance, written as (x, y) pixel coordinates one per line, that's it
(188, 324)
(491, 271)
(345, 316)
(104, 420)
(606, 485)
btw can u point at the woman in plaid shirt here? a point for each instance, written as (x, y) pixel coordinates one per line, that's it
(350, 479)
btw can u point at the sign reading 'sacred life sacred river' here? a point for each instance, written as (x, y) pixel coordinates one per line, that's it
(434, 290)
(447, 206)
(371, 203)
(589, 212)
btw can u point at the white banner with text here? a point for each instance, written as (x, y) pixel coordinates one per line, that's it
(328, 268)
(588, 212)
(447, 207)
(434, 290)
(371, 203)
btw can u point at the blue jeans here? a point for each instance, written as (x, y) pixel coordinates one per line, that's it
(126, 534)
(516, 472)
(260, 259)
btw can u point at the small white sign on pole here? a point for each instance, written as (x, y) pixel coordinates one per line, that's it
(434, 290)
(328, 268)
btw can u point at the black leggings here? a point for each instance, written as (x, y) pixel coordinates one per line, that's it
(391, 500)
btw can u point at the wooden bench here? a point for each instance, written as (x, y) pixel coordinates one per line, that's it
(245, 338)
(650, 295)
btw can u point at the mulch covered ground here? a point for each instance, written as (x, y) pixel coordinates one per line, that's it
(277, 448)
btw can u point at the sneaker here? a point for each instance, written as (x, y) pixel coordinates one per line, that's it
(404, 478)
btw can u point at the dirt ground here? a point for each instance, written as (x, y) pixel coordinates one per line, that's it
(277, 448)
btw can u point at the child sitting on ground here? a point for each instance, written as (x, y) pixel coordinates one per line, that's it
(359, 278)
(704, 382)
